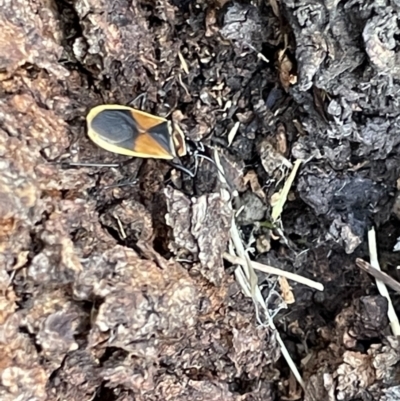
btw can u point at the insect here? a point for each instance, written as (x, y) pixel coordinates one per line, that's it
(130, 132)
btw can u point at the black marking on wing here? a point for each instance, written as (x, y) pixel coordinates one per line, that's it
(162, 135)
(117, 127)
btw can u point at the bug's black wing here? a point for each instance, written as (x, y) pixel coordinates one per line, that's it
(116, 127)
(162, 135)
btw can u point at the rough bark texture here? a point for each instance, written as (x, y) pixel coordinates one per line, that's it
(112, 280)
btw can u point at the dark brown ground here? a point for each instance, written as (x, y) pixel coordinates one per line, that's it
(120, 293)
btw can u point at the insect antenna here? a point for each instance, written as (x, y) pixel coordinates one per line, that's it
(66, 165)
(212, 161)
(182, 168)
(197, 149)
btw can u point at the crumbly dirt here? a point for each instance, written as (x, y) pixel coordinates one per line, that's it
(113, 283)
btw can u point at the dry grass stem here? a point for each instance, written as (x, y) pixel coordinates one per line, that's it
(183, 63)
(275, 271)
(233, 132)
(378, 274)
(248, 280)
(278, 207)
(373, 254)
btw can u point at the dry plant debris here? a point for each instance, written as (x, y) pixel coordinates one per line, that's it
(127, 282)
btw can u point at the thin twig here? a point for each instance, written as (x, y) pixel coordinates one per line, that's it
(373, 255)
(380, 275)
(275, 271)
